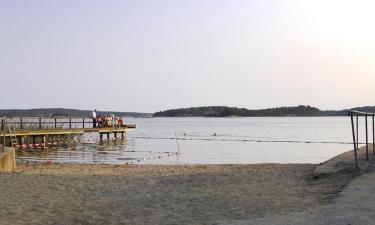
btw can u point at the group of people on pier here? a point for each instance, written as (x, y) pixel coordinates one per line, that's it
(106, 120)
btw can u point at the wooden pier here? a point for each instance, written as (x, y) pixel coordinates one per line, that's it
(14, 132)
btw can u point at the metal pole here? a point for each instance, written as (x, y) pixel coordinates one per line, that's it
(373, 134)
(83, 123)
(3, 123)
(357, 134)
(55, 123)
(366, 138)
(354, 141)
(40, 123)
(21, 123)
(70, 122)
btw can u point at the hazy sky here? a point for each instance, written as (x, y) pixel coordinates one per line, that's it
(158, 54)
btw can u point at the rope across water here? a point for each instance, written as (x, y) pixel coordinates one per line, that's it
(245, 140)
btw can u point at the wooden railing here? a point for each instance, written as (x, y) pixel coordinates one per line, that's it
(46, 122)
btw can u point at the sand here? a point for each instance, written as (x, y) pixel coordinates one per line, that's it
(354, 205)
(147, 194)
(330, 193)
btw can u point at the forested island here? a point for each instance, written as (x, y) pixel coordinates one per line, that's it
(55, 112)
(205, 111)
(224, 111)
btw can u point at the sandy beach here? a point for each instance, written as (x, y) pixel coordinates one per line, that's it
(149, 194)
(161, 112)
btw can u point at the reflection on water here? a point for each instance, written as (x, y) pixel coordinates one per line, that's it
(210, 141)
(117, 151)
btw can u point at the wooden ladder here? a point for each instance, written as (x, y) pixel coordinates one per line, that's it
(12, 136)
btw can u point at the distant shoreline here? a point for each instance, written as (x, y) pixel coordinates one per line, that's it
(60, 112)
(225, 111)
(205, 112)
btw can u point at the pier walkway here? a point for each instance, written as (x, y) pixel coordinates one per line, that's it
(15, 132)
(65, 131)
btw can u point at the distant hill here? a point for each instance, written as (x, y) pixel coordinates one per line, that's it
(224, 111)
(206, 111)
(56, 112)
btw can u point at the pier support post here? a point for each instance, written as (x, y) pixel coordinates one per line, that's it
(44, 141)
(122, 135)
(115, 134)
(108, 136)
(20, 141)
(101, 136)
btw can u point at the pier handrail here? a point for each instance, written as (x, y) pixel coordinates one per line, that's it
(34, 123)
(48, 117)
(39, 121)
(355, 132)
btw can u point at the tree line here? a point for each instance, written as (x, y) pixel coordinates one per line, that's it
(224, 111)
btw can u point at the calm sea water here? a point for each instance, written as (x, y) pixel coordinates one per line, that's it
(211, 141)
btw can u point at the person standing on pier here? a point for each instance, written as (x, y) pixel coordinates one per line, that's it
(94, 118)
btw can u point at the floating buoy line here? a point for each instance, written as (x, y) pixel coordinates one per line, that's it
(244, 140)
(150, 158)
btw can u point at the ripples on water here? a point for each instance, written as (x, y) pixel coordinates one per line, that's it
(210, 141)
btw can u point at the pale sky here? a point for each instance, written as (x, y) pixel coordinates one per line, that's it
(153, 55)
